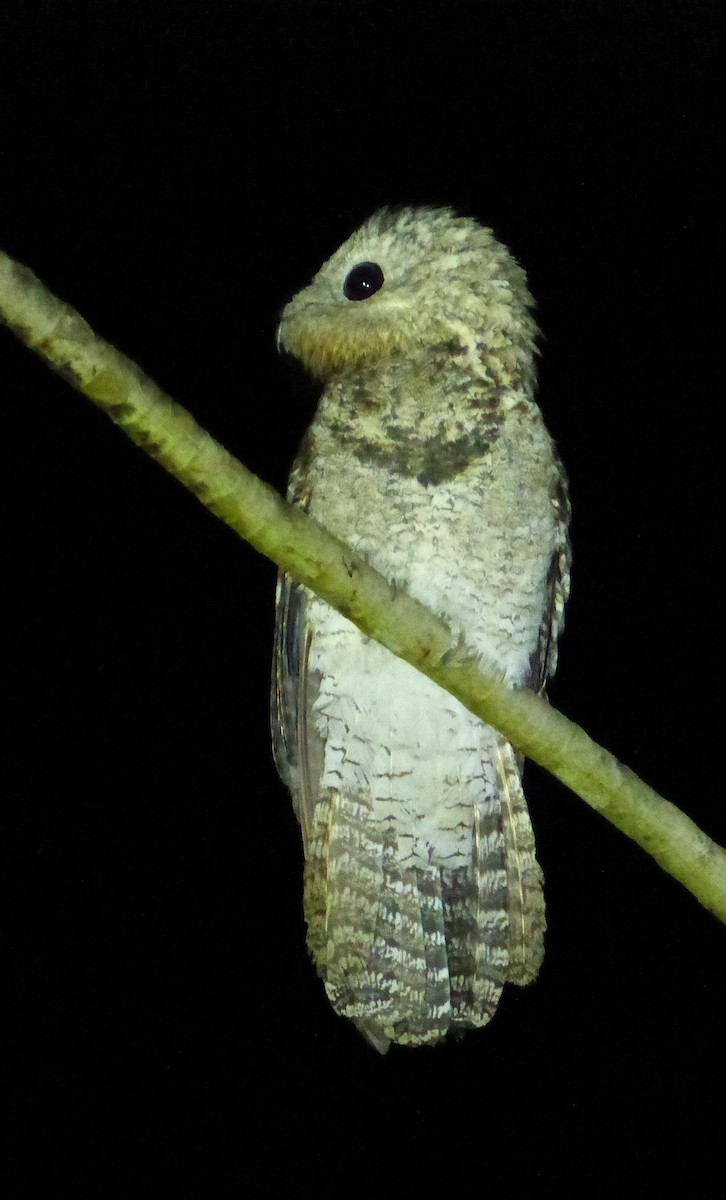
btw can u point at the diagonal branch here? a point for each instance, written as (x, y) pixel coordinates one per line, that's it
(314, 557)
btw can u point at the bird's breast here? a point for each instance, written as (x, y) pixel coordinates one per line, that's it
(475, 548)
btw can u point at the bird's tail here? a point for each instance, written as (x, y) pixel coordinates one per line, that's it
(408, 952)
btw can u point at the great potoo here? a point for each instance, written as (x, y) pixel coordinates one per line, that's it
(429, 457)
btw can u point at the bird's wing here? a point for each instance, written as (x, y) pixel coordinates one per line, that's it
(544, 660)
(296, 745)
(525, 900)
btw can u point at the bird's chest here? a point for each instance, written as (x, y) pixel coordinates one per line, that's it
(475, 546)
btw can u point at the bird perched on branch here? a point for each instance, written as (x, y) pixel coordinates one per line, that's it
(429, 457)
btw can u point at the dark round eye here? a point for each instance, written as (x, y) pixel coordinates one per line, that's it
(363, 281)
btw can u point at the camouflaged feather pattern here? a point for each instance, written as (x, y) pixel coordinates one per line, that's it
(429, 457)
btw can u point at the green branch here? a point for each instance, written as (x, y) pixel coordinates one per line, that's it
(297, 544)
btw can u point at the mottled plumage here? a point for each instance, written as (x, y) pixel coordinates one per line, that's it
(429, 456)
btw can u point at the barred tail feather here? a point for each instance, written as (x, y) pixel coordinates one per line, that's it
(408, 952)
(375, 929)
(526, 909)
(477, 921)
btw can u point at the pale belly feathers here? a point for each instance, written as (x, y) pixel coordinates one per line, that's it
(413, 755)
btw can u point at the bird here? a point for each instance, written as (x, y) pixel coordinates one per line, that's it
(427, 455)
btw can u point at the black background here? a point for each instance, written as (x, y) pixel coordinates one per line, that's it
(177, 172)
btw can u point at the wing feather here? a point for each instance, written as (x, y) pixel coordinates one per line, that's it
(544, 661)
(296, 745)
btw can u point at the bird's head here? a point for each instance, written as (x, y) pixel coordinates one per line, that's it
(408, 279)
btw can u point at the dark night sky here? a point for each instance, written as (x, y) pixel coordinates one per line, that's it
(177, 172)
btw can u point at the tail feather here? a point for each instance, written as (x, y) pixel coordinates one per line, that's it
(525, 901)
(375, 929)
(408, 952)
(429, 1011)
(492, 923)
(460, 910)
(344, 877)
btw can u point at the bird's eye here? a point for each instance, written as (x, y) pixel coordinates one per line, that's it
(363, 281)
